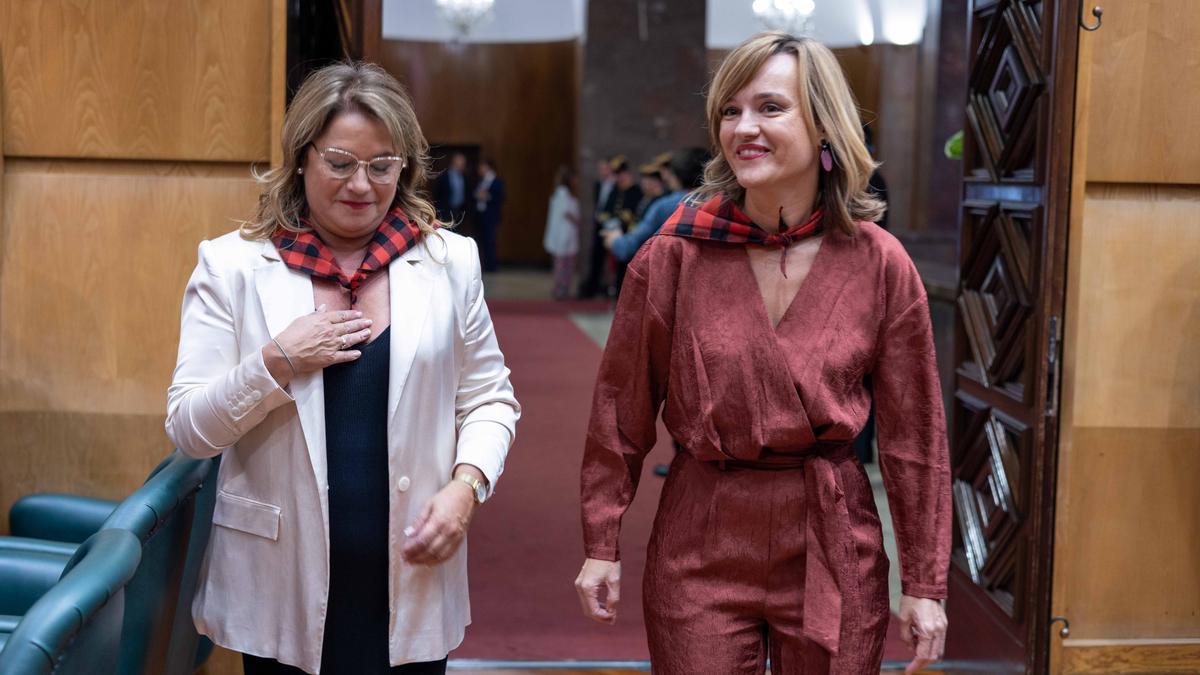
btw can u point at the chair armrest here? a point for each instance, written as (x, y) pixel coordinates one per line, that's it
(58, 517)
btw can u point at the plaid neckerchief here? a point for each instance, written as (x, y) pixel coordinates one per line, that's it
(306, 252)
(720, 219)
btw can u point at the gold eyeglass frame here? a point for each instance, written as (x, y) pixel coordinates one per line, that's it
(358, 163)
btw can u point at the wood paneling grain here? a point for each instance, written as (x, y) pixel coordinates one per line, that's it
(278, 78)
(1129, 451)
(1126, 553)
(155, 79)
(1137, 314)
(99, 455)
(92, 271)
(1145, 93)
(517, 101)
(1102, 657)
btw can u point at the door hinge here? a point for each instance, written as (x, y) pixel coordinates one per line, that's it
(1053, 365)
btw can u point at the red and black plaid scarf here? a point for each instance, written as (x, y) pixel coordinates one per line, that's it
(720, 219)
(306, 252)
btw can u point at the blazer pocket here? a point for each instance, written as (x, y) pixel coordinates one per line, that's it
(247, 515)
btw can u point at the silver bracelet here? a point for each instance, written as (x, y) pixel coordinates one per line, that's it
(285, 356)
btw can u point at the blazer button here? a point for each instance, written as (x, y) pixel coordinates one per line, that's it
(403, 483)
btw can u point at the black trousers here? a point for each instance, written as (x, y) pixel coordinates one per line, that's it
(256, 665)
(597, 258)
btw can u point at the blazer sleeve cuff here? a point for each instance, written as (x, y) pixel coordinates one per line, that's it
(484, 444)
(246, 395)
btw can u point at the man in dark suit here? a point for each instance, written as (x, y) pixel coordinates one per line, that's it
(489, 202)
(450, 193)
(621, 214)
(605, 190)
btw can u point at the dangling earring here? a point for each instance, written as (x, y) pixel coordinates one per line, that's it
(826, 156)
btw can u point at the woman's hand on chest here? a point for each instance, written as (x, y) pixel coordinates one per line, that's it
(374, 299)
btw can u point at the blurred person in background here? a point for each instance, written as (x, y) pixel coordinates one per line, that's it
(652, 183)
(450, 195)
(620, 216)
(604, 189)
(561, 239)
(489, 204)
(683, 171)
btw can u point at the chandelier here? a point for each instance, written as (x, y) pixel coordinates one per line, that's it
(465, 14)
(789, 16)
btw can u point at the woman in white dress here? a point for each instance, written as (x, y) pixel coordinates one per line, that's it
(562, 230)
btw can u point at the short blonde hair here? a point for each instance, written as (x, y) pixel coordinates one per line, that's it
(829, 111)
(334, 89)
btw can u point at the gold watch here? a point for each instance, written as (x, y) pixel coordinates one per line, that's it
(477, 485)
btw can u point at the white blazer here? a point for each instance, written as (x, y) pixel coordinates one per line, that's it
(265, 580)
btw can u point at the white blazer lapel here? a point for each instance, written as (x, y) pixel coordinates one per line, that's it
(285, 295)
(410, 285)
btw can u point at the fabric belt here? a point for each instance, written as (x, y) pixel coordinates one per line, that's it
(830, 576)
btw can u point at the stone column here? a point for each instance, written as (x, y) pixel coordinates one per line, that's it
(644, 73)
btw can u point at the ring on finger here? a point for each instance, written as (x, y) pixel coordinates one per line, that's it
(343, 342)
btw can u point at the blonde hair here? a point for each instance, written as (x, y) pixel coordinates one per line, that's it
(334, 89)
(829, 111)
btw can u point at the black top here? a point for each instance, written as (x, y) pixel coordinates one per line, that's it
(356, 626)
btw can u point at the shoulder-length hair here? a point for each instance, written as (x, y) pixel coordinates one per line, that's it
(829, 111)
(334, 89)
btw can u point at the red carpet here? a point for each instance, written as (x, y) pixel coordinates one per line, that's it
(525, 545)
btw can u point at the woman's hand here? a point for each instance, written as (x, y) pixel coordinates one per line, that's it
(922, 627)
(441, 525)
(598, 575)
(314, 341)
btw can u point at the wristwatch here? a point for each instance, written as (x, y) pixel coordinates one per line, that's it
(476, 485)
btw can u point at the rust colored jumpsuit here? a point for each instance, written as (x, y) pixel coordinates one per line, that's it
(767, 539)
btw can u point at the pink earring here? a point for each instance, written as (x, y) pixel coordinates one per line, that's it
(826, 156)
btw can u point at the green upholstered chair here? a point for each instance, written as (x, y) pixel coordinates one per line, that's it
(58, 517)
(171, 515)
(76, 626)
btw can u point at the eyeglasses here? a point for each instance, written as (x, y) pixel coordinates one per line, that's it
(341, 165)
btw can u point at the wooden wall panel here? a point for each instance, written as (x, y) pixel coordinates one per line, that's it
(517, 101)
(126, 129)
(1104, 657)
(1138, 317)
(147, 79)
(1132, 549)
(92, 282)
(1127, 512)
(1145, 77)
(93, 264)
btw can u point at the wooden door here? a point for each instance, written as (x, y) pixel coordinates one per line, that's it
(1016, 186)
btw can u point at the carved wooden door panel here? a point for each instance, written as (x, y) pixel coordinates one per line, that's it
(1016, 186)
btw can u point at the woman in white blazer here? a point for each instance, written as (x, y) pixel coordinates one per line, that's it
(338, 353)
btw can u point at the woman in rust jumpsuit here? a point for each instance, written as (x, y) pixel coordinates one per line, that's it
(751, 321)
